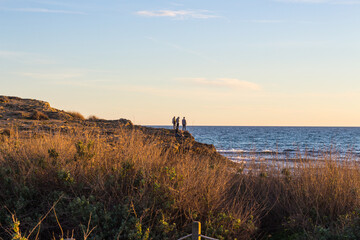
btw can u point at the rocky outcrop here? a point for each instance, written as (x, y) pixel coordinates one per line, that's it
(29, 115)
(18, 108)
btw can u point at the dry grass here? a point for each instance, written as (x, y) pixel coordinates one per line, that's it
(93, 118)
(194, 186)
(37, 115)
(311, 194)
(76, 115)
(136, 169)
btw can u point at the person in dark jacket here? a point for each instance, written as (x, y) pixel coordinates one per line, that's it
(184, 124)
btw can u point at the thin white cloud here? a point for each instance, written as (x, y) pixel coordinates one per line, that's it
(11, 54)
(177, 4)
(182, 49)
(143, 89)
(290, 44)
(231, 83)
(304, 1)
(51, 76)
(263, 21)
(24, 57)
(178, 14)
(95, 84)
(74, 84)
(40, 10)
(171, 92)
(92, 76)
(337, 2)
(54, 3)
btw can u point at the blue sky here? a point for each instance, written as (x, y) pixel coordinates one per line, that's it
(244, 62)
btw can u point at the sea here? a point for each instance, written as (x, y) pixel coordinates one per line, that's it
(241, 144)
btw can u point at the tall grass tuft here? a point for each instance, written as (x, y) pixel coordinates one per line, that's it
(76, 115)
(93, 118)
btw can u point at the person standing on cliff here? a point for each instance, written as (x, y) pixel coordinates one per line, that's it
(177, 124)
(174, 122)
(184, 124)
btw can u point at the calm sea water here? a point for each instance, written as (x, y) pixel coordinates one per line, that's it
(241, 143)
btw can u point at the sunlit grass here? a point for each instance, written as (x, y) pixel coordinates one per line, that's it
(159, 189)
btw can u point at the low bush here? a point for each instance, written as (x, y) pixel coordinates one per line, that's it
(76, 115)
(93, 118)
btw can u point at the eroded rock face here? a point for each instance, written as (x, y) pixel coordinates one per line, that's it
(12, 108)
(26, 115)
(19, 108)
(30, 116)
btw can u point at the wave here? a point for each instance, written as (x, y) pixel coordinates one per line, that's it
(238, 151)
(231, 151)
(268, 151)
(290, 150)
(239, 158)
(241, 155)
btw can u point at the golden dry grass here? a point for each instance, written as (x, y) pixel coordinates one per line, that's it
(76, 115)
(137, 169)
(93, 118)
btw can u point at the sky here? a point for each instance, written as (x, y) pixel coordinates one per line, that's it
(215, 62)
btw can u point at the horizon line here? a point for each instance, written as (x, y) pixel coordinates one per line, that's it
(299, 126)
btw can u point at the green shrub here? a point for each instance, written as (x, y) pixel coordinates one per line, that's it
(53, 153)
(84, 150)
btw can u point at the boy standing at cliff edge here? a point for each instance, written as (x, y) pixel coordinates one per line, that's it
(184, 124)
(177, 124)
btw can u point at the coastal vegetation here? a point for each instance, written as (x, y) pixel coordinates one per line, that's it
(98, 179)
(133, 188)
(76, 115)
